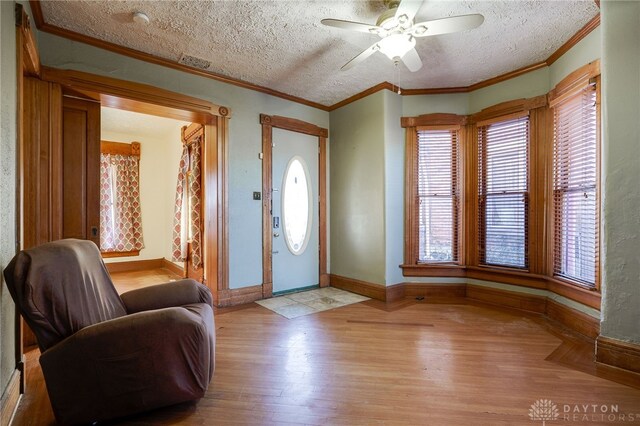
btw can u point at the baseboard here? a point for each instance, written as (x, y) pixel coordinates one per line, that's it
(573, 319)
(435, 291)
(10, 399)
(395, 292)
(570, 318)
(617, 353)
(511, 299)
(364, 288)
(239, 296)
(172, 267)
(135, 265)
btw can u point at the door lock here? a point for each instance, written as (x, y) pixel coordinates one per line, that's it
(275, 234)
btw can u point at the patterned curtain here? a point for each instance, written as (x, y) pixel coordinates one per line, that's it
(120, 212)
(106, 203)
(195, 189)
(188, 207)
(179, 247)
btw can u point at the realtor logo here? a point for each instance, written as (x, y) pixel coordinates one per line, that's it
(543, 409)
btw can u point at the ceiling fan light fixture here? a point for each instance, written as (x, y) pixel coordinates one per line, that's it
(420, 29)
(397, 45)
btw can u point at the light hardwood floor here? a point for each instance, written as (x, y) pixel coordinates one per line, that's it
(410, 363)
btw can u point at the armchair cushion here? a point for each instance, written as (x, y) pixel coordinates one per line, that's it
(177, 293)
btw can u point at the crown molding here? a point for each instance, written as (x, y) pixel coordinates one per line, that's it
(39, 20)
(136, 54)
(577, 37)
(370, 91)
(582, 33)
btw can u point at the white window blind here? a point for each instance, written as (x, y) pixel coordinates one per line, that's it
(503, 185)
(438, 196)
(575, 188)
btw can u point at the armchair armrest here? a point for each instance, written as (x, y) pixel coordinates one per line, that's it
(130, 364)
(177, 293)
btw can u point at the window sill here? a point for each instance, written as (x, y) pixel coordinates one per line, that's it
(108, 254)
(573, 291)
(517, 277)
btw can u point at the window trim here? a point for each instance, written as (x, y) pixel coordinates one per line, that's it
(570, 86)
(541, 239)
(412, 125)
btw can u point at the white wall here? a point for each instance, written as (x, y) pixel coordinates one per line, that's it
(621, 170)
(245, 138)
(159, 160)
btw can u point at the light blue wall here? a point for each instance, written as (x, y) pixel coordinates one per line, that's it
(393, 187)
(7, 185)
(455, 103)
(587, 50)
(367, 194)
(357, 166)
(528, 85)
(621, 170)
(245, 138)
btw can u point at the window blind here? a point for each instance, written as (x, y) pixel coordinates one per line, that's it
(503, 184)
(575, 188)
(438, 196)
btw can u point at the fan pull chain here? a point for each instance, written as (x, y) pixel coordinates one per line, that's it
(396, 78)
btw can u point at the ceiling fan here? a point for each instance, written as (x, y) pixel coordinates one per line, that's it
(398, 32)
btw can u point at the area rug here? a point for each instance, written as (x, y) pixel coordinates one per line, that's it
(295, 305)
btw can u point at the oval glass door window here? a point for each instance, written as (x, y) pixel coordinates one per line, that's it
(296, 205)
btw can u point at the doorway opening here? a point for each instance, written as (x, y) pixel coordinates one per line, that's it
(60, 184)
(147, 201)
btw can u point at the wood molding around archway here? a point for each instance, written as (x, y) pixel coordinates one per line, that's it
(291, 124)
(151, 100)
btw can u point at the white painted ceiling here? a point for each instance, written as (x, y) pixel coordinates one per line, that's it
(137, 126)
(281, 44)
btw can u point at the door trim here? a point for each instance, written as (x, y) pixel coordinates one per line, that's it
(138, 97)
(269, 122)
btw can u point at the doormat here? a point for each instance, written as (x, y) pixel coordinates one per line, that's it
(295, 305)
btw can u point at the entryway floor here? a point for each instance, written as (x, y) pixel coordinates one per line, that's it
(295, 305)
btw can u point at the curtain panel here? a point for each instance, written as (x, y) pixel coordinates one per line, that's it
(120, 211)
(187, 221)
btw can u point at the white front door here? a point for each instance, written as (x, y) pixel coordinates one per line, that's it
(295, 211)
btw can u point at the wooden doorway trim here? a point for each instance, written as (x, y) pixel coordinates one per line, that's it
(269, 122)
(151, 100)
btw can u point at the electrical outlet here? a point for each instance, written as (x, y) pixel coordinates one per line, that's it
(257, 195)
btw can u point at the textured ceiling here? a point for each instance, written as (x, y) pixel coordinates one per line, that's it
(281, 44)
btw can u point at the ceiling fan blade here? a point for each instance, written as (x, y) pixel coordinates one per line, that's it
(350, 25)
(361, 57)
(409, 8)
(453, 24)
(412, 60)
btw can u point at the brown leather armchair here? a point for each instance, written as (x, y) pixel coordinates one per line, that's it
(104, 356)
